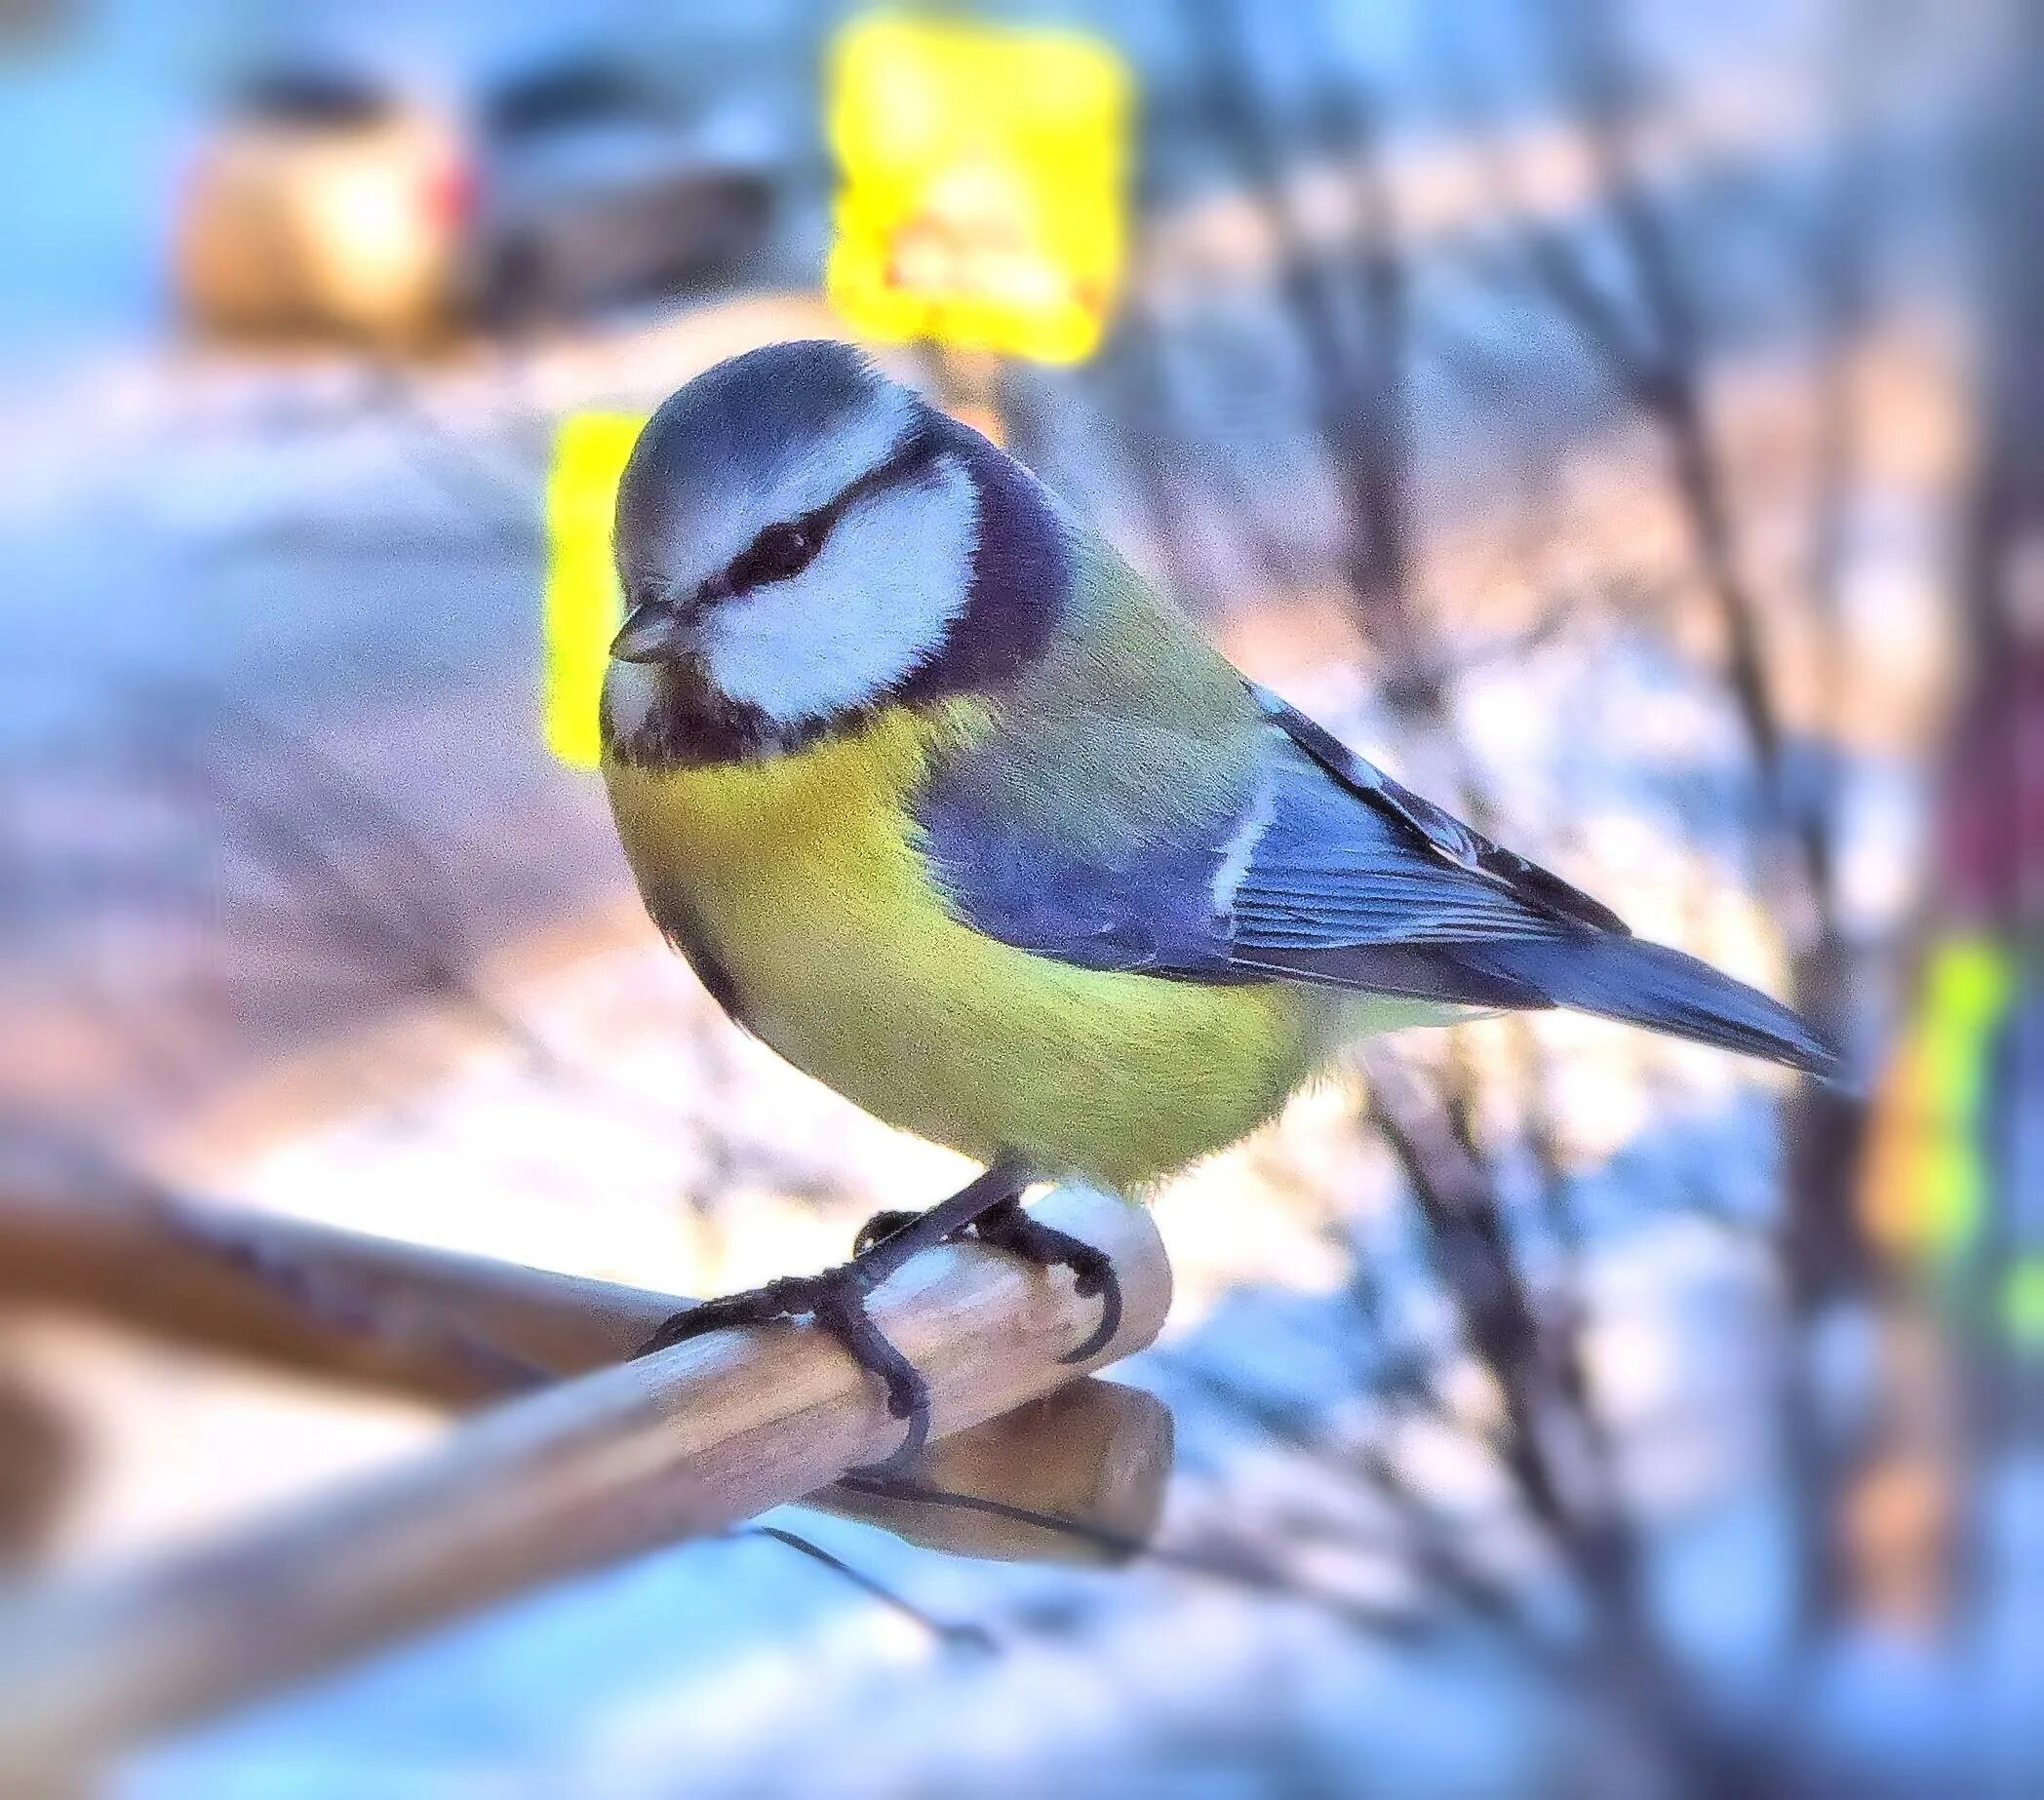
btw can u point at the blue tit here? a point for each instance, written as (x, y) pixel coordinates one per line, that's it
(948, 806)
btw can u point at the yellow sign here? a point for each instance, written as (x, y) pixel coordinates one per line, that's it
(583, 607)
(983, 178)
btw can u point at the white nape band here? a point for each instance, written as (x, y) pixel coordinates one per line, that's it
(631, 690)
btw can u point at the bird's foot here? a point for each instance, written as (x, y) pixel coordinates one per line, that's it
(834, 1300)
(1009, 1225)
(990, 1205)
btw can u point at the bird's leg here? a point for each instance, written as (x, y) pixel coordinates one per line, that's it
(837, 1299)
(1007, 1224)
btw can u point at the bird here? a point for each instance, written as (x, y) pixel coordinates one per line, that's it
(964, 818)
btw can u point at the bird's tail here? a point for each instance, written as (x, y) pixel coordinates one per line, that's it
(1661, 989)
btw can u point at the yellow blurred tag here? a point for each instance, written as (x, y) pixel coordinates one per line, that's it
(582, 608)
(983, 173)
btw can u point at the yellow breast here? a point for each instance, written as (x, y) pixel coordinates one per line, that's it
(800, 877)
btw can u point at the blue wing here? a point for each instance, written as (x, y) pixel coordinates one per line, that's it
(1519, 888)
(1316, 866)
(1314, 851)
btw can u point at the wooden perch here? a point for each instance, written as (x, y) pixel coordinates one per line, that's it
(616, 1462)
(1095, 1455)
(441, 1326)
(460, 1330)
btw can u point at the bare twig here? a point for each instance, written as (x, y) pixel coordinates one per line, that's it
(967, 1636)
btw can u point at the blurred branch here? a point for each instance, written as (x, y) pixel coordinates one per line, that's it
(1351, 319)
(378, 896)
(1665, 376)
(1347, 312)
(40, 1459)
(404, 915)
(1466, 1230)
(1841, 248)
(450, 1329)
(1438, 1553)
(1666, 380)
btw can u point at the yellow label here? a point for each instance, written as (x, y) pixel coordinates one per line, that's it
(983, 185)
(583, 607)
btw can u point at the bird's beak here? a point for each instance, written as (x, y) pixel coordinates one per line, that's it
(653, 630)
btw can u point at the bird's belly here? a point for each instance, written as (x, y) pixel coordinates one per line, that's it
(800, 893)
(1122, 1078)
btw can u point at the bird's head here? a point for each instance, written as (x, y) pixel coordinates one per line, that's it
(802, 541)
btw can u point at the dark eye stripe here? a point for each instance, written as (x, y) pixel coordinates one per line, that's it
(779, 552)
(785, 549)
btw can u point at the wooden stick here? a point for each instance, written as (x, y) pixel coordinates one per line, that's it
(458, 1330)
(600, 1467)
(443, 1327)
(1096, 1455)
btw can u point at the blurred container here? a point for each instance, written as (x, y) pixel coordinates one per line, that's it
(335, 205)
(597, 188)
(324, 205)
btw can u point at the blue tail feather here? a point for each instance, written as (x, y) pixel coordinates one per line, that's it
(1648, 984)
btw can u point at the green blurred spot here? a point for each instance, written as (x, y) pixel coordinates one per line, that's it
(1968, 985)
(1970, 980)
(2023, 1304)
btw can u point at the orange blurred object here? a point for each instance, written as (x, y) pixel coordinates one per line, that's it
(336, 205)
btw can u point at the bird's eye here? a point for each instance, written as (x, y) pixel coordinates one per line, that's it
(778, 552)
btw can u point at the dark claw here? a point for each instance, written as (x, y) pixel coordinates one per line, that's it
(878, 1229)
(1013, 1229)
(842, 1312)
(1094, 1274)
(760, 1305)
(837, 1301)
(907, 1459)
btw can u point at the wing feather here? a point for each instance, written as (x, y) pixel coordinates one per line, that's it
(1300, 863)
(1315, 867)
(1534, 888)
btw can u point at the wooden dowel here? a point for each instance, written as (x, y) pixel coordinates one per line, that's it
(1095, 1455)
(608, 1465)
(445, 1327)
(460, 1330)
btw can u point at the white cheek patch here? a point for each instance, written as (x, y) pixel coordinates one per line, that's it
(630, 692)
(894, 573)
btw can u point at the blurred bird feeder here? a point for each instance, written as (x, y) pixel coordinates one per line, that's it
(982, 202)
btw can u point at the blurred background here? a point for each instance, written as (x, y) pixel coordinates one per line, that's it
(1623, 419)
